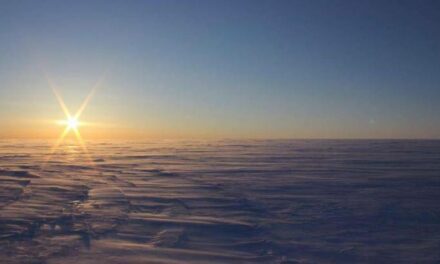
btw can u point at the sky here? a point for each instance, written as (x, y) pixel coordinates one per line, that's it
(222, 69)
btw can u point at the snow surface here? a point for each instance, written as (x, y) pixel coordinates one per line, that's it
(298, 201)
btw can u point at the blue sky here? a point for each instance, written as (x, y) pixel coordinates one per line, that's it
(257, 69)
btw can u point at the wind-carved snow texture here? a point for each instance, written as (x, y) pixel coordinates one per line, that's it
(221, 202)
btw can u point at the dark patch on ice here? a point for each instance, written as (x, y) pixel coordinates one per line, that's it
(18, 173)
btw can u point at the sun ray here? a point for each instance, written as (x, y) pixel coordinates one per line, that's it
(88, 98)
(58, 97)
(84, 104)
(61, 102)
(56, 145)
(83, 145)
(60, 139)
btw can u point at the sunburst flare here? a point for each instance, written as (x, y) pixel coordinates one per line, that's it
(72, 122)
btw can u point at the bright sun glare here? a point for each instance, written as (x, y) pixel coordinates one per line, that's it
(72, 123)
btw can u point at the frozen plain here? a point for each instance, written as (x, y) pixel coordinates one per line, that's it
(264, 201)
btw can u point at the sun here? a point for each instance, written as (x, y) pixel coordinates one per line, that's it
(72, 123)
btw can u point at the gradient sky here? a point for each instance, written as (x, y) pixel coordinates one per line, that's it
(223, 69)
